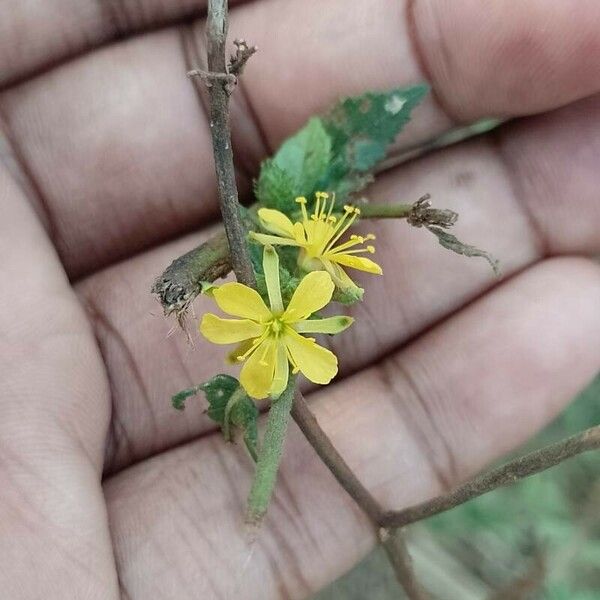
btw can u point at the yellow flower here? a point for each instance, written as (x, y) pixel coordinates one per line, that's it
(317, 235)
(270, 336)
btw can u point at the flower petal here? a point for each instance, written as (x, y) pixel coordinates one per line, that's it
(240, 300)
(263, 238)
(328, 325)
(356, 262)
(312, 294)
(318, 364)
(276, 222)
(282, 372)
(271, 271)
(258, 371)
(228, 331)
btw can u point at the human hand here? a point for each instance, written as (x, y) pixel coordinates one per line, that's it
(108, 157)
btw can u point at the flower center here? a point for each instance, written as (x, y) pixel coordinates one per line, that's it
(275, 327)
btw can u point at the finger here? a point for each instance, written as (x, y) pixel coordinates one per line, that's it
(504, 208)
(537, 56)
(419, 422)
(55, 409)
(120, 131)
(37, 35)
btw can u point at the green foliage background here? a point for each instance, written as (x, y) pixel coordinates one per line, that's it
(496, 536)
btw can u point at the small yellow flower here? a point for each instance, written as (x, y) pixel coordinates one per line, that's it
(317, 235)
(271, 336)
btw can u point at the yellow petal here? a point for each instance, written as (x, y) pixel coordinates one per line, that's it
(229, 331)
(241, 301)
(258, 371)
(328, 325)
(313, 293)
(263, 238)
(271, 271)
(316, 363)
(356, 262)
(282, 372)
(276, 222)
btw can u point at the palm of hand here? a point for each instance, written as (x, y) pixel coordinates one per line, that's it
(101, 158)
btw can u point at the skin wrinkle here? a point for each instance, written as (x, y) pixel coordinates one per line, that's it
(192, 521)
(424, 441)
(292, 516)
(541, 242)
(101, 323)
(420, 57)
(31, 189)
(292, 562)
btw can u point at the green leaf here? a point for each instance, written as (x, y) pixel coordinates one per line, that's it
(305, 156)
(231, 407)
(361, 129)
(178, 400)
(296, 168)
(275, 188)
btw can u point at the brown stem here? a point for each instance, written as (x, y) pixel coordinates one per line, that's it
(394, 544)
(513, 471)
(334, 461)
(180, 283)
(219, 90)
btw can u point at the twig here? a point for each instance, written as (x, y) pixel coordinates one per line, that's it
(238, 61)
(180, 283)
(219, 91)
(513, 471)
(327, 452)
(394, 544)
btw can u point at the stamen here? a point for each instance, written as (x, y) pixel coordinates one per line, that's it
(331, 206)
(262, 360)
(302, 201)
(295, 367)
(255, 344)
(342, 227)
(315, 215)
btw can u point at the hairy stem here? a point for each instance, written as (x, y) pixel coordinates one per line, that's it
(513, 471)
(385, 211)
(269, 456)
